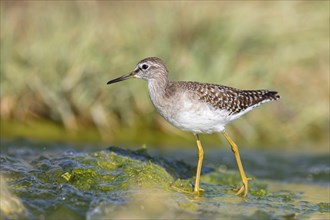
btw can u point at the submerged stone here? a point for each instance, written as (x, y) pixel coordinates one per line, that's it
(119, 183)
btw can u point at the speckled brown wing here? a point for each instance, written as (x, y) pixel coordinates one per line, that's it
(228, 98)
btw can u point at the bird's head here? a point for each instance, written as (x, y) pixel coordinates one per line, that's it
(147, 69)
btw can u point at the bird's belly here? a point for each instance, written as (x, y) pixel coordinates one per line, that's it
(199, 120)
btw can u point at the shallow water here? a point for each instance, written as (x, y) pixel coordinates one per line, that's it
(51, 181)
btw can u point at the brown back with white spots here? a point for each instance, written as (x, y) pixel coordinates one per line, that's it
(224, 97)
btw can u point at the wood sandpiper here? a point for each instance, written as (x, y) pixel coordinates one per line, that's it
(198, 107)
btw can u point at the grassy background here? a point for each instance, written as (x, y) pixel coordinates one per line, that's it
(56, 58)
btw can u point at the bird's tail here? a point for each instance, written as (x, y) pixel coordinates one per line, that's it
(256, 97)
(271, 95)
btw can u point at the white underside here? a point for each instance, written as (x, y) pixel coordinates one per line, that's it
(203, 121)
(201, 118)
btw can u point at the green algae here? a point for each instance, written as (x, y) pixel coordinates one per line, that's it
(121, 171)
(108, 183)
(324, 207)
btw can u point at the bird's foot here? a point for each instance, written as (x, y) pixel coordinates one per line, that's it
(199, 191)
(244, 188)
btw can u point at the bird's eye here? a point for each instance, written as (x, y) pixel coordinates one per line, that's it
(145, 66)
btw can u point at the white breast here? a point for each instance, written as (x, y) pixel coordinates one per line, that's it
(197, 117)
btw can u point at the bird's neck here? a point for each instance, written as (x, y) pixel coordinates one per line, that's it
(157, 89)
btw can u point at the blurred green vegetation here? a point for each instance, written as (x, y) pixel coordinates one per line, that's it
(56, 58)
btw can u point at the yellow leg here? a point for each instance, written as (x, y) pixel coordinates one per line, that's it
(197, 189)
(234, 148)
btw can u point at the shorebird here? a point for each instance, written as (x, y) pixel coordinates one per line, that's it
(198, 107)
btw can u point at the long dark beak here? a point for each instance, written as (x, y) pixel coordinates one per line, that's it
(123, 77)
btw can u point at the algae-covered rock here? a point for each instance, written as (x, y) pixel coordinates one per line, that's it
(117, 183)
